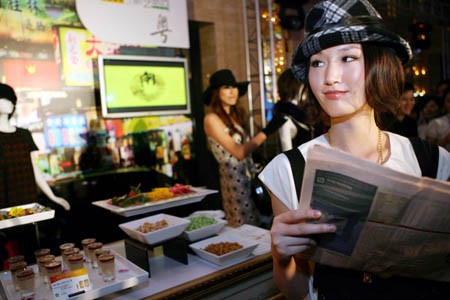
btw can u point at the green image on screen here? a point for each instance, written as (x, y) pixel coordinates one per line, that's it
(128, 86)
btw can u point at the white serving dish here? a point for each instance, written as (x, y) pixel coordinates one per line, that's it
(199, 194)
(127, 276)
(175, 228)
(45, 215)
(204, 232)
(248, 247)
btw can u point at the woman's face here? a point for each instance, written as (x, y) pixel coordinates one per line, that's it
(228, 95)
(407, 102)
(6, 106)
(430, 110)
(337, 79)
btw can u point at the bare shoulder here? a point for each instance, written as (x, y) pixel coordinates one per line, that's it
(213, 122)
(212, 117)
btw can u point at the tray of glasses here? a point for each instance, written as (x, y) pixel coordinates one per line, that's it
(127, 275)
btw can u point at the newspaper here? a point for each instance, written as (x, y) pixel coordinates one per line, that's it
(387, 222)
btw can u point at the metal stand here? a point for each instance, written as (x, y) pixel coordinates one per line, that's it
(137, 252)
(38, 239)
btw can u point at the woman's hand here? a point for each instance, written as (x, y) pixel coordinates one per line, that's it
(291, 234)
(215, 128)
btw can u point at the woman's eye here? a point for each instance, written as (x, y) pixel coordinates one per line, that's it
(316, 63)
(349, 58)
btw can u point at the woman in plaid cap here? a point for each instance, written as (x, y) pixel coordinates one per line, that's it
(352, 65)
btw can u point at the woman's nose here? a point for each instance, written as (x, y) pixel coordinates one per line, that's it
(333, 74)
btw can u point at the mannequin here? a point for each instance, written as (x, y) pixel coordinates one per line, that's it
(10, 133)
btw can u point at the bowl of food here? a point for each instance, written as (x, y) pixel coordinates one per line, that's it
(224, 249)
(201, 227)
(155, 229)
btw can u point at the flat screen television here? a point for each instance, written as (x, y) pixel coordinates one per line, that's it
(136, 86)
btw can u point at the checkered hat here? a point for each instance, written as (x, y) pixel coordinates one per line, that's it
(335, 22)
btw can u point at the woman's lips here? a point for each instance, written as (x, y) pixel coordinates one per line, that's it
(334, 94)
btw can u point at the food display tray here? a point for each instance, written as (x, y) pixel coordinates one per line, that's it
(127, 275)
(45, 215)
(155, 205)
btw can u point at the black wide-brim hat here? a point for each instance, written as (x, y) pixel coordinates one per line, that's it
(221, 78)
(336, 22)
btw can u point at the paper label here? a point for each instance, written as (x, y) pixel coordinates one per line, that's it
(69, 284)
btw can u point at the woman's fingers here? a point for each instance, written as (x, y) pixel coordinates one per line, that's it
(301, 229)
(293, 223)
(289, 241)
(287, 245)
(297, 216)
(287, 252)
(290, 233)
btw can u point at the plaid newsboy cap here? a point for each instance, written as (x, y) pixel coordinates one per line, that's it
(335, 22)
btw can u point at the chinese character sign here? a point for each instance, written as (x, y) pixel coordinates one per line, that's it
(162, 23)
(78, 48)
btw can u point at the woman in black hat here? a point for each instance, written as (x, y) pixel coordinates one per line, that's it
(351, 64)
(231, 146)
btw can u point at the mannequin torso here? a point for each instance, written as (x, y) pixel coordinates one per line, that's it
(18, 173)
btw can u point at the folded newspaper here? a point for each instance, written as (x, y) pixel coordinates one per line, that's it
(387, 222)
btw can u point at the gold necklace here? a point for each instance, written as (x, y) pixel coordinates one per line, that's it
(380, 145)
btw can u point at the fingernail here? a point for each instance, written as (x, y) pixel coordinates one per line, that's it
(332, 227)
(317, 213)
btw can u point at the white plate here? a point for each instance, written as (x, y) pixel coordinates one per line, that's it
(155, 205)
(175, 228)
(45, 215)
(204, 232)
(248, 247)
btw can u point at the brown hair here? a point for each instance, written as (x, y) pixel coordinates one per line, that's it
(236, 113)
(288, 86)
(384, 79)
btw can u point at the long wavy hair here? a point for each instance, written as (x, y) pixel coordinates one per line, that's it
(236, 113)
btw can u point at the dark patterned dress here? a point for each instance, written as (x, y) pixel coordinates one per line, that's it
(17, 182)
(235, 183)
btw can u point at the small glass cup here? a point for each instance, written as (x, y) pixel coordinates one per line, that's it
(41, 252)
(42, 261)
(108, 266)
(91, 249)
(14, 268)
(66, 246)
(53, 268)
(85, 243)
(15, 259)
(25, 279)
(99, 252)
(67, 253)
(75, 261)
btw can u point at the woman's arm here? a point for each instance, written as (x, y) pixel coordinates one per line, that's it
(432, 134)
(445, 140)
(290, 245)
(215, 128)
(286, 133)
